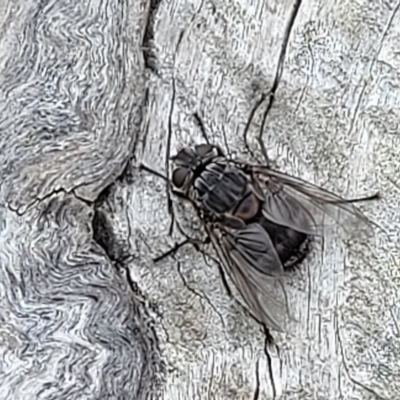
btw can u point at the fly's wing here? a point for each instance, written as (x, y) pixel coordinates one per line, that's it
(250, 260)
(301, 206)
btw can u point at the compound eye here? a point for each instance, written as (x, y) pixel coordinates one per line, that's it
(203, 149)
(179, 176)
(185, 156)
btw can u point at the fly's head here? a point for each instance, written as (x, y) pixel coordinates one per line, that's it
(190, 162)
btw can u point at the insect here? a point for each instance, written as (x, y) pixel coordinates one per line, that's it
(260, 222)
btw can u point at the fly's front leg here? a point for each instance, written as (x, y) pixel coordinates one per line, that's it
(144, 167)
(189, 240)
(160, 175)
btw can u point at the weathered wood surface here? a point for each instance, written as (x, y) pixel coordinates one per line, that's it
(91, 89)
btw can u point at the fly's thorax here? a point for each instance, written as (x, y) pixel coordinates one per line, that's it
(221, 187)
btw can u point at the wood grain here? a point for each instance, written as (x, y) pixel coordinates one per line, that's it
(89, 91)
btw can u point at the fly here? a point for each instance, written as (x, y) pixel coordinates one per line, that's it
(260, 222)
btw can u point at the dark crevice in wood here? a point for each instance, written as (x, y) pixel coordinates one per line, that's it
(257, 390)
(148, 37)
(269, 361)
(278, 76)
(126, 173)
(103, 234)
(23, 209)
(228, 152)
(167, 158)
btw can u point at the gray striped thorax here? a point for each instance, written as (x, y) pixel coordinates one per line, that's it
(221, 187)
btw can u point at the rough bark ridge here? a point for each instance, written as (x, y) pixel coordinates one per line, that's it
(89, 90)
(71, 100)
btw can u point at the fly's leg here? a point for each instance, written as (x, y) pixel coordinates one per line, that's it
(205, 137)
(249, 121)
(152, 171)
(260, 136)
(189, 240)
(196, 243)
(171, 251)
(201, 126)
(375, 196)
(160, 175)
(254, 110)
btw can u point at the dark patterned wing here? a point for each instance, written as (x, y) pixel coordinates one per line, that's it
(250, 260)
(304, 207)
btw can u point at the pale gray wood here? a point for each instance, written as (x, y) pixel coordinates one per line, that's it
(71, 80)
(177, 334)
(71, 98)
(70, 326)
(333, 122)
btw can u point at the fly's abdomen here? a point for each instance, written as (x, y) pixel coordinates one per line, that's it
(221, 188)
(291, 246)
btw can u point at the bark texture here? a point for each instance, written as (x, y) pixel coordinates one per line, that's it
(89, 90)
